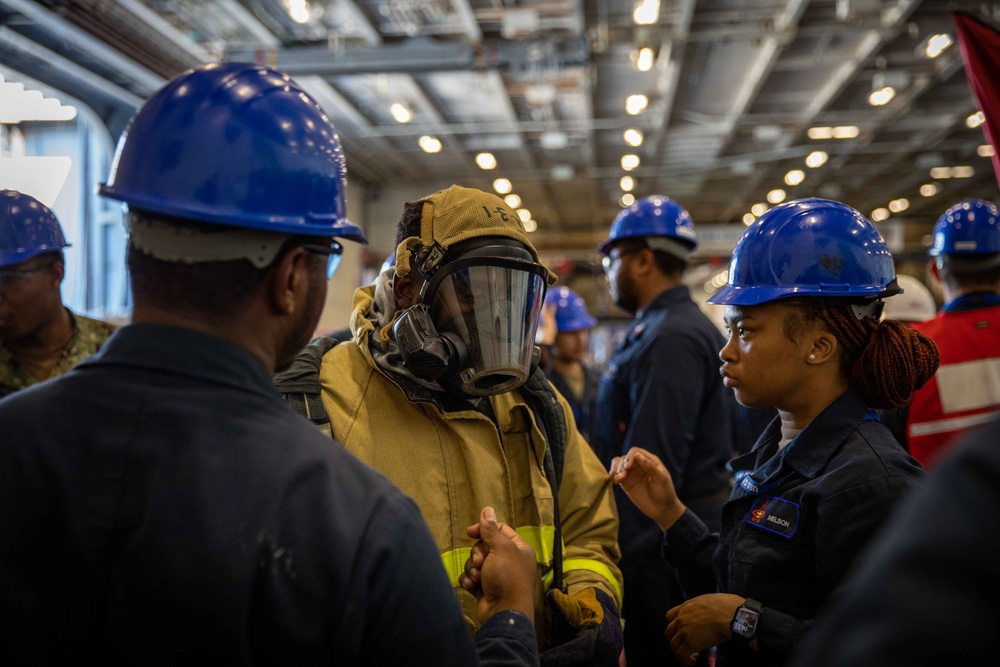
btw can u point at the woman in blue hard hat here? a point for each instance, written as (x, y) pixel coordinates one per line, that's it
(39, 337)
(805, 292)
(566, 367)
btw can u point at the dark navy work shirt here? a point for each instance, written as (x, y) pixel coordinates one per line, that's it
(927, 594)
(662, 391)
(160, 503)
(794, 527)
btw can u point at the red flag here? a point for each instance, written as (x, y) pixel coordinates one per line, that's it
(980, 44)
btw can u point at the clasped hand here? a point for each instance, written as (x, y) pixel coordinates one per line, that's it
(501, 570)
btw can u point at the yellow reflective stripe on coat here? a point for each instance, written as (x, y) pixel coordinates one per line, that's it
(595, 566)
(539, 537)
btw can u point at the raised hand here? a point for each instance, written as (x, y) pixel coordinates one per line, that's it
(648, 485)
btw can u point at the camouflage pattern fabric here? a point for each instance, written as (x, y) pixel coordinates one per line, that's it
(88, 336)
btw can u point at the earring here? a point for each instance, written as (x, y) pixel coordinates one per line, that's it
(812, 357)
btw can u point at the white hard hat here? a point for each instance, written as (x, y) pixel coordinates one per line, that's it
(915, 304)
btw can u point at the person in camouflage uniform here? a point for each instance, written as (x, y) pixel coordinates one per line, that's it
(39, 337)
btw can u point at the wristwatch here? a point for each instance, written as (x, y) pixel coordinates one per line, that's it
(746, 619)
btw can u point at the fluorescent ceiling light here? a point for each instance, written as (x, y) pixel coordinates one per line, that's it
(634, 104)
(429, 144)
(646, 12)
(486, 161)
(299, 10)
(882, 96)
(845, 132)
(633, 137)
(644, 62)
(816, 159)
(502, 186)
(400, 113)
(794, 177)
(898, 205)
(936, 44)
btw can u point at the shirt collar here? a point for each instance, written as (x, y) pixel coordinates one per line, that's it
(185, 352)
(665, 299)
(808, 453)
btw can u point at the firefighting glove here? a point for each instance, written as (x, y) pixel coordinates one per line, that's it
(586, 629)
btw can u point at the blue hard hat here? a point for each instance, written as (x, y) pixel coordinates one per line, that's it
(652, 216)
(808, 247)
(969, 227)
(571, 310)
(235, 144)
(27, 228)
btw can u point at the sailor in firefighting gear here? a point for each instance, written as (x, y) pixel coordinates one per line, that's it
(439, 391)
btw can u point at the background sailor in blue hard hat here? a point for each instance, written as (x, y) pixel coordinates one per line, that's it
(565, 359)
(661, 390)
(803, 303)
(160, 502)
(965, 391)
(39, 337)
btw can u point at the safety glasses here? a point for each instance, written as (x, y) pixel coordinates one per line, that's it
(334, 251)
(11, 277)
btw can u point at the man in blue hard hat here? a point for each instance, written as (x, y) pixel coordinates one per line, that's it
(661, 391)
(965, 391)
(39, 337)
(566, 365)
(160, 502)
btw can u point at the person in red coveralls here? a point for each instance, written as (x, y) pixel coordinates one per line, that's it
(965, 391)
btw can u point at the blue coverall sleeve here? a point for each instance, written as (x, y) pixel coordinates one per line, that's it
(688, 547)
(666, 397)
(412, 614)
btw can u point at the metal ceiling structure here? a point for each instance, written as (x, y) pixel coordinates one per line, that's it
(733, 90)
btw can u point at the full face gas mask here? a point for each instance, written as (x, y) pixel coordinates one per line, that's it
(474, 329)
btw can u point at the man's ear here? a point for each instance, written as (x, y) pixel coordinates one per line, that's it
(406, 290)
(289, 281)
(932, 268)
(56, 272)
(643, 261)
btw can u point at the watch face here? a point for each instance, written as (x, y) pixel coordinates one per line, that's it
(745, 622)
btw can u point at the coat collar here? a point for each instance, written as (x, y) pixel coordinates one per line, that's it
(812, 449)
(665, 299)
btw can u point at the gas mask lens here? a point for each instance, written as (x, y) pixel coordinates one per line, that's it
(492, 305)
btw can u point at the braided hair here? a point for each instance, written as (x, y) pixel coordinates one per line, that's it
(885, 361)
